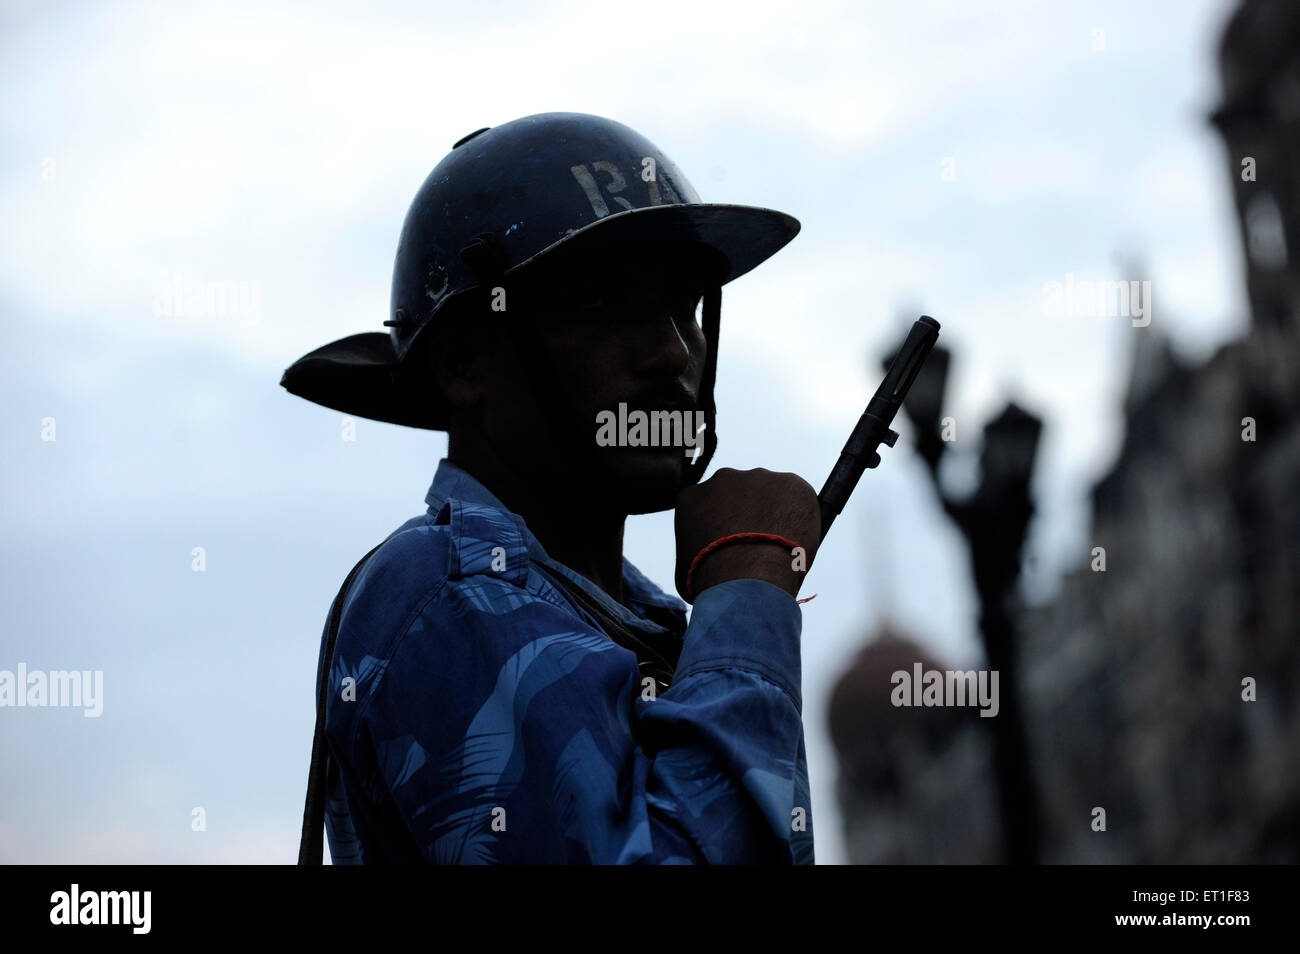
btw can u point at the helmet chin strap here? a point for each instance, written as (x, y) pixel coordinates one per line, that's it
(712, 324)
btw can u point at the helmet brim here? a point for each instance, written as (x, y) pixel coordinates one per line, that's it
(357, 375)
(746, 235)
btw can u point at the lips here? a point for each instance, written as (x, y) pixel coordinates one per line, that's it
(651, 408)
(674, 401)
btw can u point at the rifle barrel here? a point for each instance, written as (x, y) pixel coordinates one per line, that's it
(873, 427)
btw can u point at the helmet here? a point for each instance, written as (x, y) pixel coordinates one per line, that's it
(505, 200)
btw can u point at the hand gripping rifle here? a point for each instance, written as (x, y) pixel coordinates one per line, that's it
(873, 428)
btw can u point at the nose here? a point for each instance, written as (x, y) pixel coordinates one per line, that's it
(662, 346)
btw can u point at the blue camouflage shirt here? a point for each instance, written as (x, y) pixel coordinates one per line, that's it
(476, 716)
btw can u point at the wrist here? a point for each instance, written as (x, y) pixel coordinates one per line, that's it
(757, 556)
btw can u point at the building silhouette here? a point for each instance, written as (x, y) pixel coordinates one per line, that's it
(1161, 685)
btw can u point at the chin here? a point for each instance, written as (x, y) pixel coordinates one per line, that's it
(645, 480)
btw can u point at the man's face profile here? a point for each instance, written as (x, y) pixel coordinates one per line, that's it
(616, 332)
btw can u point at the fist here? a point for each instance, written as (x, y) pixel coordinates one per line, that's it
(741, 501)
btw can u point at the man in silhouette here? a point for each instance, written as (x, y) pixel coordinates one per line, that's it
(504, 686)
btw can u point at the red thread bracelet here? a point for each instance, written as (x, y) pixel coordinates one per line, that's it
(733, 538)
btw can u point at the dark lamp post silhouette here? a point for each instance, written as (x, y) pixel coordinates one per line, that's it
(994, 520)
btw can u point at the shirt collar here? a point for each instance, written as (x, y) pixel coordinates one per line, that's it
(451, 481)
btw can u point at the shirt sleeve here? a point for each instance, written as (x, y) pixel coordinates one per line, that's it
(507, 730)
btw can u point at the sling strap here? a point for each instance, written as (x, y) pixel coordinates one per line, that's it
(656, 656)
(311, 848)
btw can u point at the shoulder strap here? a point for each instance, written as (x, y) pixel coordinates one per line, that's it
(311, 849)
(656, 658)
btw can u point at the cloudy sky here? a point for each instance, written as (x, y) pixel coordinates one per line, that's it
(944, 158)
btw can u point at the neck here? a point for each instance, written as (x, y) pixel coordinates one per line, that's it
(586, 540)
